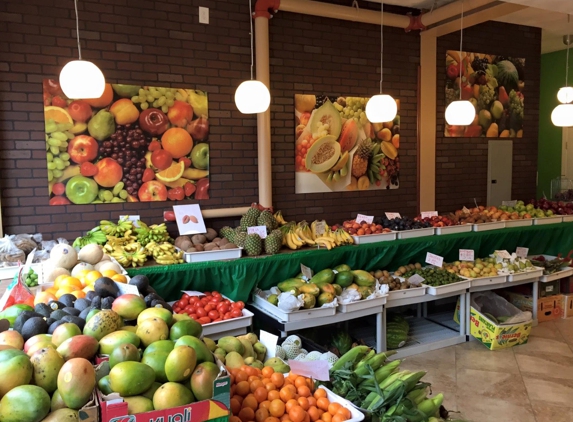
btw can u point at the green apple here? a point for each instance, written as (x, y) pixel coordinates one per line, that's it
(81, 190)
(200, 156)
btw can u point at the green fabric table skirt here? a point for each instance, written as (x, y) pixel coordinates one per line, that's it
(236, 279)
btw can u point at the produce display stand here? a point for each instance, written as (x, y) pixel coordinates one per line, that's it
(232, 327)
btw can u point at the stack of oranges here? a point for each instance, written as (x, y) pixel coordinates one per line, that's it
(268, 396)
(78, 286)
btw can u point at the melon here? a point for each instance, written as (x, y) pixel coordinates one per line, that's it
(64, 256)
(323, 154)
(92, 254)
(326, 114)
(108, 265)
(54, 273)
(80, 267)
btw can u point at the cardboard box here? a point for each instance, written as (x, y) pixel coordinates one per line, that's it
(549, 288)
(548, 308)
(566, 285)
(567, 305)
(494, 336)
(90, 412)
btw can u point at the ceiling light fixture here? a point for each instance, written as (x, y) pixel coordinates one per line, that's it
(81, 78)
(460, 112)
(562, 115)
(252, 96)
(382, 107)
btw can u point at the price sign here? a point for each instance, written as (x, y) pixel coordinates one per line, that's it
(509, 203)
(270, 342)
(317, 369)
(436, 260)
(320, 228)
(522, 252)
(364, 218)
(127, 288)
(429, 214)
(416, 279)
(133, 218)
(467, 255)
(503, 254)
(260, 230)
(391, 215)
(307, 272)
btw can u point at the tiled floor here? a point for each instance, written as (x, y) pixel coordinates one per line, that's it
(528, 383)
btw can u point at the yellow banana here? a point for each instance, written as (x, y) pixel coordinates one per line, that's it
(296, 240)
(195, 174)
(325, 243)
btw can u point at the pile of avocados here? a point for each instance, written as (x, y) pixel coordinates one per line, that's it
(46, 317)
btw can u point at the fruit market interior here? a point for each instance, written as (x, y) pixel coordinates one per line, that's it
(286, 210)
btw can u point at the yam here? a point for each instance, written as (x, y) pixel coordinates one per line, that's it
(198, 239)
(210, 246)
(217, 239)
(190, 250)
(211, 234)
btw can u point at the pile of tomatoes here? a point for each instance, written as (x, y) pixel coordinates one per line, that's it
(267, 396)
(211, 307)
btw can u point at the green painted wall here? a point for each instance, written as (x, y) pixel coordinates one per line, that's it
(550, 137)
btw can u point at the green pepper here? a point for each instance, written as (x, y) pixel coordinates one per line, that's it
(13, 312)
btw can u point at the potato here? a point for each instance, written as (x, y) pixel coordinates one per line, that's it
(210, 246)
(179, 240)
(217, 239)
(200, 248)
(184, 244)
(229, 246)
(211, 234)
(223, 242)
(198, 239)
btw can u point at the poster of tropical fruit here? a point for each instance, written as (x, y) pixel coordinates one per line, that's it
(338, 149)
(134, 143)
(494, 85)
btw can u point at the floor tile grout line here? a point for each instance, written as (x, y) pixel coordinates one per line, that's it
(524, 386)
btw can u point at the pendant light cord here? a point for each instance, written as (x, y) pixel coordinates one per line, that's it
(461, 43)
(381, 45)
(78, 29)
(251, 33)
(567, 59)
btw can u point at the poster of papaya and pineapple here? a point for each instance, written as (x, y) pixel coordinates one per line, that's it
(133, 144)
(337, 149)
(494, 85)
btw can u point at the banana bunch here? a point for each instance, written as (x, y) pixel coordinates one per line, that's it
(374, 164)
(130, 254)
(153, 233)
(164, 253)
(279, 217)
(319, 228)
(303, 231)
(115, 242)
(342, 238)
(95, 235)
(112, 229)
(290, 238)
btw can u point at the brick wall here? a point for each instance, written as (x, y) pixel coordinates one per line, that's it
(461, 163)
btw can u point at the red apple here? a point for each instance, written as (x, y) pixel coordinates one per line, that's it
(59, 200)
(152, 191)
(180, 114)
(80, 111)
(59, 102)
(153, 121)
(83, 148)
(161, 159)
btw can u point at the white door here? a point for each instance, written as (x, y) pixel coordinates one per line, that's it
(499, 162)
(567, 153)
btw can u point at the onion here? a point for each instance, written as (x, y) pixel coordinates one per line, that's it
(199, 129)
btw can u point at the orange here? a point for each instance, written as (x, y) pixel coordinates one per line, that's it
(271, 419)
(333, 408)
(303, 391)
(81, 274)
(247, 414)
(177, 142)
(58, 114)
(320, 392)
(172, 173)
(120, 278)
(79, 294)
(103, 101)
(44, 297)
(299, 381)
(270, 386)
(71, 281)
(344, 412)
(338, 418)
(262, 414)
(52, 290)
(235, 406)
(278, 379)
(326, 417)
(108, 273)
(256, 384)
(277, 408)
(250, 401)
(241, 376)
(239, 398)
(285, 418)
(242, 388)
(311, 401)
(273, 395)
(59, 279)
(260, 394)
(268, 371)
(303, 402)
(297, 414)
(266, 404)
(91, 277)
(314, 413)
(234, 419)
(287, 393)
(290, 404)
(64, 290)
(322, 403)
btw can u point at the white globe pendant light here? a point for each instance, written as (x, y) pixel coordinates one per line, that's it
(81, 78)
(252, 96)
(562, 115)
(460, 112)
(565, 95)
(382, 107)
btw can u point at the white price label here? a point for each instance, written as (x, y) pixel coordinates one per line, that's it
(522, 252)
(503, 254)
(260, 230)
(368, 219)
(125, 288)
(416, 279)
(467, 255)
(270, 342)
(317, 369)
(307, 272)
(133, 218)
(391, 215)
(429, 214)
(436, 260)
(509, 203)
(320, 228)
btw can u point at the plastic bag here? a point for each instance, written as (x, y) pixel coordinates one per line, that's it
(349, 296)
(491, 303)
(10, 255)
(17, 293)
(48, 245)
(289, 302)
(40, 256)
(24, 242)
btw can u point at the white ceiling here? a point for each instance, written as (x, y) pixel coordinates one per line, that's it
(416, 4)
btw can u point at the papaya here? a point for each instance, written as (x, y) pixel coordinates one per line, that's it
(103, 323)
(188, 327)
(364, 291)
(290, 283)
(172, 394)
(15, 370)
(47, 363)
(63, 415)
(337, 289)
(324, 298)
(108, 343)
(162, 313)
(180, 363)
(202, 380)
(76, 381)
(25, 403)
(341, 268)
(322, 277)
(349, 135)
(138, 404)
(159, 346)
(123, 353)
(344, 278)
(156, 361)
(364, 278)
(151, 330)
(201, 350)
(327, 288)
(131, 378)
(309, 300)
(81, 346)
(128, 306)
(310, 288)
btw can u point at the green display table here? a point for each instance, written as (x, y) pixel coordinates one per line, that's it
(236, 279)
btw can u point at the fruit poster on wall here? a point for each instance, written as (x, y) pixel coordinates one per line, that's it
(494, 85)
(338, 149)
(134, 143)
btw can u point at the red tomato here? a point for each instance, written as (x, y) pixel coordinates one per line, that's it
(215, 293)
(207, 294)
(204, 301)
(176, 309)
(213, 315)
(183, 302)
(240, 304)
(209, 307)
(223, 308)
(204, 320)
(193, 299)
(185, 296)
(216, 299)
(236, 313)
(194, 316)
(227, 316)
(217, 320)
(201, 312)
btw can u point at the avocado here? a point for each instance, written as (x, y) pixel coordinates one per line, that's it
(150, 298)
(105, 287)
(160, 303)
(150, 290)
(71, 311)
(22, 318)
(141, 282)
(81, 304)
(43, 309)
(75, 320)
(96, 302)
(90, 295)
(55, 325)
(58, 314)
(50, 321)
(34, 326)
(55, 305)
(83, 314)
(106, 302)
(67, 299)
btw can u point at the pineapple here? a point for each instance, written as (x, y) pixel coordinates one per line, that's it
(228, 233)
(250, 218)
(273, 242)
(266, 219)
(361, 158)
(240, 239)
(253, 245)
